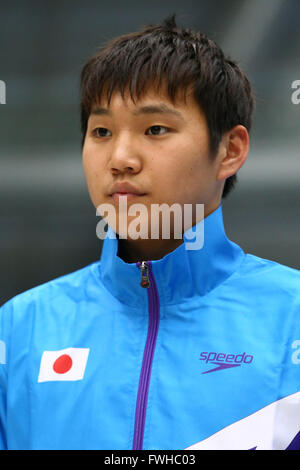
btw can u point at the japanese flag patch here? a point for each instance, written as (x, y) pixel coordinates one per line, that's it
(66, 364)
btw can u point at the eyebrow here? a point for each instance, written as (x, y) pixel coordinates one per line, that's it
(150, 109)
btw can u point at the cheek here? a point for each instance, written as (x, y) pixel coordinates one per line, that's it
(92, 175)
(191, 181)
(92, 163)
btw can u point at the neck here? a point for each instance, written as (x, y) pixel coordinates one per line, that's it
(132, 251)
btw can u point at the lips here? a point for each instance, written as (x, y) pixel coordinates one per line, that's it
(125, 189)
(128, 196)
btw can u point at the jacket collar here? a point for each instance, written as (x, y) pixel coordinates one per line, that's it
(182, 273)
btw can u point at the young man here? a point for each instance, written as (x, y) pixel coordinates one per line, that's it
(158, 345)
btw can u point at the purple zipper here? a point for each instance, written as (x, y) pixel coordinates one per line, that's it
(142, 397)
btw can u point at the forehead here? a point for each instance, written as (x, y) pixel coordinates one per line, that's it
(151, 101)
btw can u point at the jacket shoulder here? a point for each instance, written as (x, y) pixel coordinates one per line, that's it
(74, 283)
(272, 273)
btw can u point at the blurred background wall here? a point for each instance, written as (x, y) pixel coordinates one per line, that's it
(47, 222)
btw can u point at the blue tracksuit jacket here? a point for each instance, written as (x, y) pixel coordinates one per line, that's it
(206, 357)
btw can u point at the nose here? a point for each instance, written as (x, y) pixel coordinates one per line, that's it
(125, 156)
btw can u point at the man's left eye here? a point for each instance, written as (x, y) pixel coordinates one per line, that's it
(157, 129)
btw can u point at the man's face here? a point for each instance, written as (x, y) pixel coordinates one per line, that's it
(160, 149)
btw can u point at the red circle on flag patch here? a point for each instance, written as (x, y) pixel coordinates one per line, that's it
(62, 364)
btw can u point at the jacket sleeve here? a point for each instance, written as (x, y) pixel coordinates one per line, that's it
(4, 313)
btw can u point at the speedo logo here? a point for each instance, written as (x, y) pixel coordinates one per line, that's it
(224, 361)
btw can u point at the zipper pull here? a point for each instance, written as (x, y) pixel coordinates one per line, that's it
(145, 282)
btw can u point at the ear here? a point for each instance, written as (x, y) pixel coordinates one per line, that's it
(233, 151)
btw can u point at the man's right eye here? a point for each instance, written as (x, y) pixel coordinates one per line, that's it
(100, 132)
